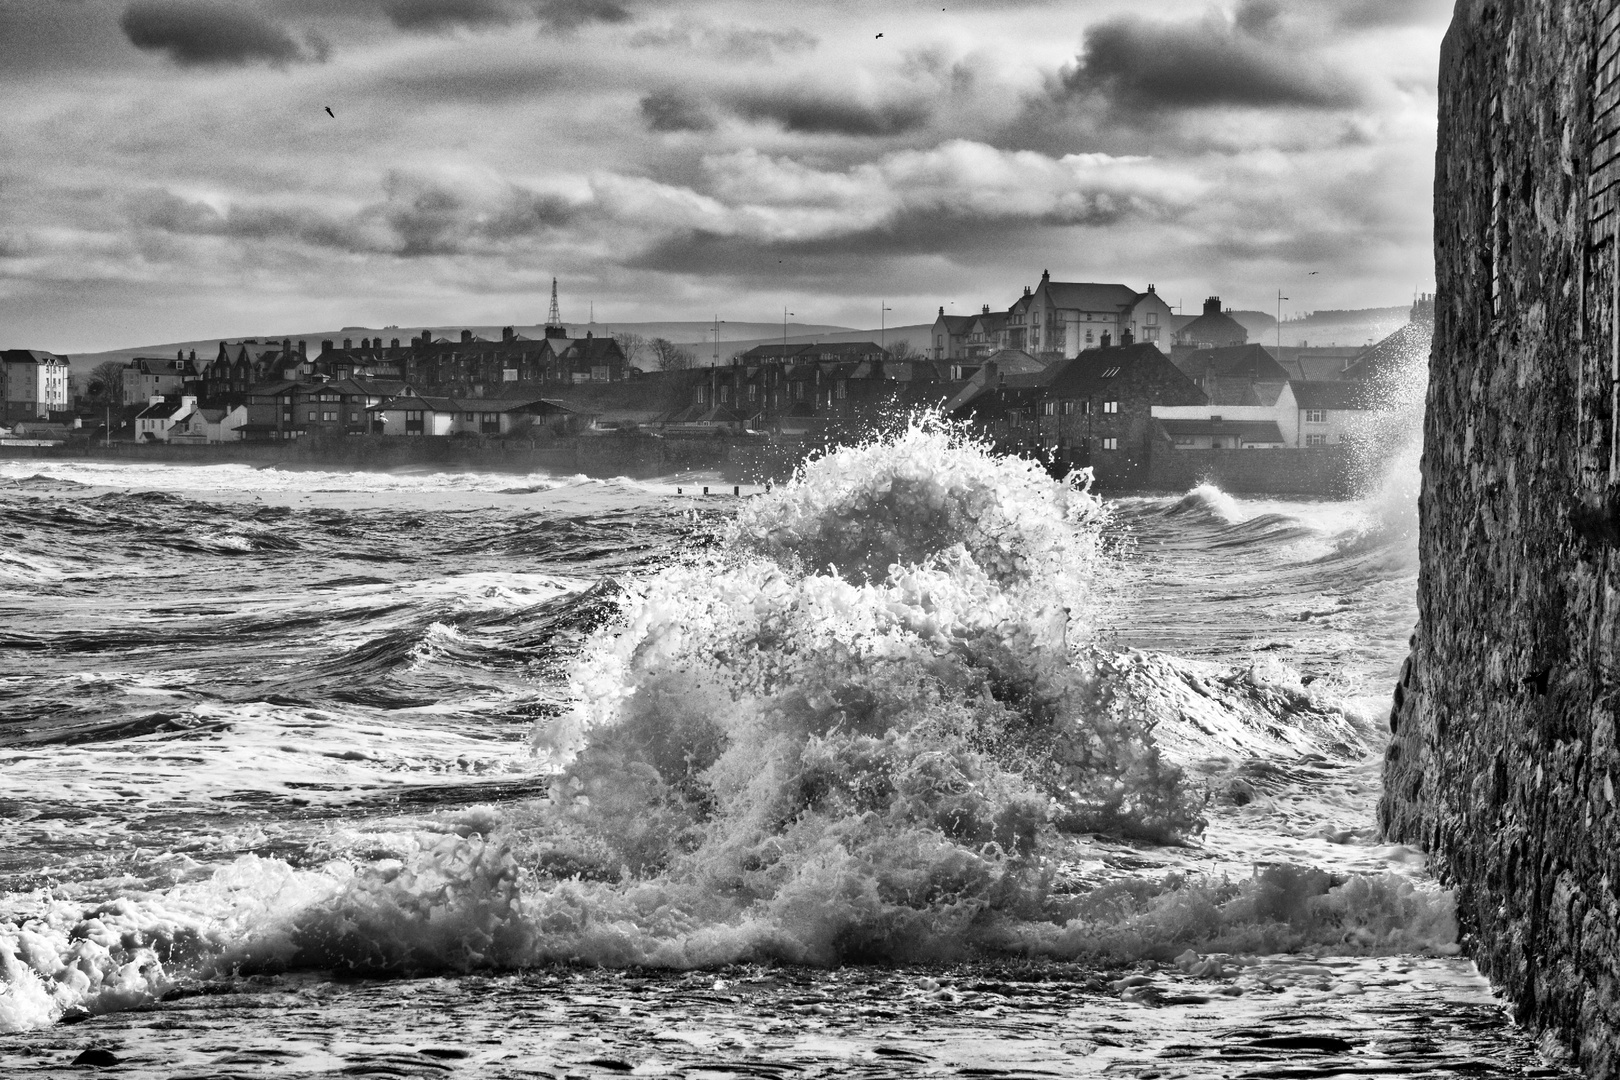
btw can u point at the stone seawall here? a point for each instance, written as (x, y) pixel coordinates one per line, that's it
(1504, 762)
(640, 457)
(1328, 472)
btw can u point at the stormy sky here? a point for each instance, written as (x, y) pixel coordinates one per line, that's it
(171, 172)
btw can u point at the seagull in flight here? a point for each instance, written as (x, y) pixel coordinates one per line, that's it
(330, 113)
(880, 35)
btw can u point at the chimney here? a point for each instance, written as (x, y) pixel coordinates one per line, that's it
(1107, 339)
(508, 333)
(466, 336)
(193, 355)
(393, 344)
(1212, 305)
(1126, 338)
(1026, 290)
(1152, 290)
(1046, 275)
(326, 346)
(303, 349)
(985, 310)
(179, 355)
(365, 343)
(348, 343)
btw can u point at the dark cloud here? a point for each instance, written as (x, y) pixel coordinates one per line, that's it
(201, 32)
(572, 14)
(670, 110)
(417, 216)
(442, 15)
(923, 231)
(1137, 66)
(814, 114)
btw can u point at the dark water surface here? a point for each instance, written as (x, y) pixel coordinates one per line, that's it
(230, 698)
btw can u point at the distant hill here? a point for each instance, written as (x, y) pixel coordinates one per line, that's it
(918, 335)
(1359, 326)
(688, 333)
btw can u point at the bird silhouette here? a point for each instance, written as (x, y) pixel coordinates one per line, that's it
(330, 113)
(880, 35)
(1313, 272)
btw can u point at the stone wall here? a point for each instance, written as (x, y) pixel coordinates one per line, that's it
(642, 456)
(1327, 472)
(1504, 762)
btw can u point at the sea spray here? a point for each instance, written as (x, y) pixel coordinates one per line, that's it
(872, 722)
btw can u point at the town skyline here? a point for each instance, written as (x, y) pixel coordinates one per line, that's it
(177, 175)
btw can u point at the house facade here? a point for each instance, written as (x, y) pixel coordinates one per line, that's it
(35, 384)
(1092, 410)
(1213, 329)
(1067, 318)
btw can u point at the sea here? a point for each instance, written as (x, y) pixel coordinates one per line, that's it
(923, 763)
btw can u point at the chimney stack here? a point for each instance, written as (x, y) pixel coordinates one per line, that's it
(466, 337)
(1107, 339)
(1212, 305)
(303, 349)
(326, 346)
(508, 333)
(1126, 338)
(348, 343)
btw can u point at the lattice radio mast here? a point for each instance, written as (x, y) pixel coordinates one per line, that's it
(554, 316)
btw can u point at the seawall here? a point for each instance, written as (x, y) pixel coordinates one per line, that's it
(637, 456)
(1327, 473)
(1504, 762)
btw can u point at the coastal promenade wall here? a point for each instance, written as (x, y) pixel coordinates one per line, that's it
(1321, 473)
(636, 456)
(1328, 472)
(1504, 762)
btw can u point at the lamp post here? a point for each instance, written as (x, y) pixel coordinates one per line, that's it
(785, 314)
(717, 321)
(883, 325)
(1280, 299)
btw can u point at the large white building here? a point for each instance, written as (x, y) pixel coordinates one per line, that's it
(36, 384)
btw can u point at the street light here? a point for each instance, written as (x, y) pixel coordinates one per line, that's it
(883, 325)
(717, 321)
(1280, 299)
(785, 314)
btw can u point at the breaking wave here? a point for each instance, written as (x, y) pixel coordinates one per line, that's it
(873, 722)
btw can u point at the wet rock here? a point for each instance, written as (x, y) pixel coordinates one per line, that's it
(1504, 722)
(97, 1057)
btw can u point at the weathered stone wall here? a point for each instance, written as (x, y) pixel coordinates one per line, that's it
(1504, 761)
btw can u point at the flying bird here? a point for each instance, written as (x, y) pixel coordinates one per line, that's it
(330, 113)
(880, 35)
(1313, 272)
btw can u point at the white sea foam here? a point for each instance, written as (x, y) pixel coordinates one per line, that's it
(873, 723)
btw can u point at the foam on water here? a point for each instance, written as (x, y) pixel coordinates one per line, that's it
(875, 721)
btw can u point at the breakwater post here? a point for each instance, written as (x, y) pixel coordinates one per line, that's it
(1504, 762)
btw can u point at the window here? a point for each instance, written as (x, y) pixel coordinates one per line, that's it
(1048, 408)
(1088, 337)
(753, 392)
(842, 389)
(1315, 416)
(467, 417)
(702, 394)
(354, 418)
(1316, 440)
(1111, 373)
(329, 416)
(1110, 444)
(286, 416)
(1068, 408)
(1152, 318)
(1110, 406)
(312, 414)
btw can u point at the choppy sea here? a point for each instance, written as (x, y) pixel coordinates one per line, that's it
(922, 764)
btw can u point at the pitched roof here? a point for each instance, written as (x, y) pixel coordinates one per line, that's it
(1238, 391)
(1090, 295)
(1095, 370)
(1232, 361)
(1336, 395)
(955, 324)
(1215, 326)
